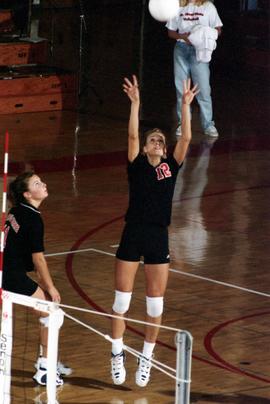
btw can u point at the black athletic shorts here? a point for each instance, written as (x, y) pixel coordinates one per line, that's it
(148, 241)
(18, 282)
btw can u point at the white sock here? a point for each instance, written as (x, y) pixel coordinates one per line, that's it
(43, 362)
(117, 346)
(148, 348)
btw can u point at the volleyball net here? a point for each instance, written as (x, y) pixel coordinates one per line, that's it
(183, 341)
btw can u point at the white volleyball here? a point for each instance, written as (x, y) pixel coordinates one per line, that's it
(163, 10)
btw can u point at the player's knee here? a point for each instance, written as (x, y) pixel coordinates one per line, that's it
(154, 306)
(44, 321)
(121, 302)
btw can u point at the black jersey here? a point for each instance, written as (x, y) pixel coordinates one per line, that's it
(24, 234)
(151, 190)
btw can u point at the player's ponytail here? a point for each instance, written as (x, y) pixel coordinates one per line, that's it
(18, 187)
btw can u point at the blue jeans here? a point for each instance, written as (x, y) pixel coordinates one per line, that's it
(185, 66)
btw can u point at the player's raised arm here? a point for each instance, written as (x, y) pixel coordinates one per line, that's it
(132, 91)
(182, 144)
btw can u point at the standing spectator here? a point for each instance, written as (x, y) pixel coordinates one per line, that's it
(191, 14)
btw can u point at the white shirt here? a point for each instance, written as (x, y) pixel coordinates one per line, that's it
(191, 15)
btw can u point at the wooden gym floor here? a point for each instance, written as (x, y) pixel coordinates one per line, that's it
(219, 281)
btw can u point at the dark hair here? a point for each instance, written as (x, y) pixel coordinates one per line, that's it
(18, 186)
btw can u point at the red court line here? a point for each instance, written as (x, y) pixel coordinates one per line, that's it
(93, 304)
(223, 192)
(208, 343)
(66, 163)
(116, 158)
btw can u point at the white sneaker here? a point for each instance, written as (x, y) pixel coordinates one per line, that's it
(178, 131)
(41, 377)
(62, 369)
(118, 370)
(143, 371)
(211, 131)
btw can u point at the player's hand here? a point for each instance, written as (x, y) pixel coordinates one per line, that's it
(132, 89)
(55, 295)
(185, 37)
(189, 93)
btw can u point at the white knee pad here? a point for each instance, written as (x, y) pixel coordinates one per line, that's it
(154, 306)
(44, 321)
(121, 302)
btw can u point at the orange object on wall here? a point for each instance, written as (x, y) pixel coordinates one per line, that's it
(22, 53)
(6, 22)
(39, 91)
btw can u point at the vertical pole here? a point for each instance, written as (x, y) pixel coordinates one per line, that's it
(29, 17)
(83, 28)
(5, 348)
(80, 57)
(75, 155)
(183, 367)
(56, 319)
(4, 204)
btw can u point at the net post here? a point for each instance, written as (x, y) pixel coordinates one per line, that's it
(56, 319)
(4, 205)
(183, 341)
(6, 340)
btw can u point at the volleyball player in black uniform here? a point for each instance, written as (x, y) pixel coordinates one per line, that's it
(152, 176)
(23, 252)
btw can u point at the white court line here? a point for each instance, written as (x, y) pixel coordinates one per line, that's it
(69, 252)
(220, 283)
(203, 278)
